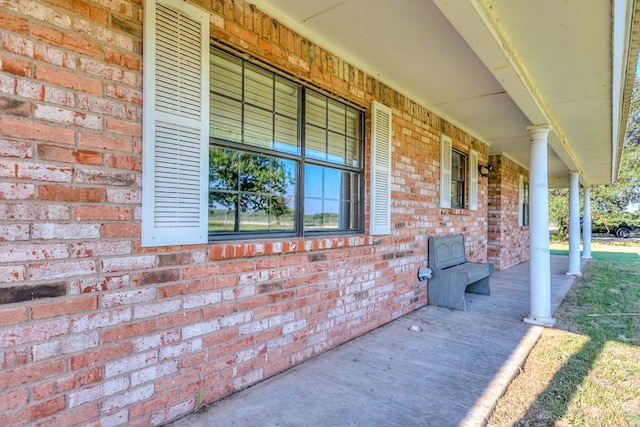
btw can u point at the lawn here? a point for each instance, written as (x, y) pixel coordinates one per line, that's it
(586, 370)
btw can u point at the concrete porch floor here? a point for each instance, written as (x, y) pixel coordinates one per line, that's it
(452, 373)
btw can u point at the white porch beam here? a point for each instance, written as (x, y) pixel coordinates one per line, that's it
(540, 260)
(574, 224)
(586, 224)
(476, 22)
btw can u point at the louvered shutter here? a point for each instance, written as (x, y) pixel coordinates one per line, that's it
(445, 171)
(176, 128)
(520, 200)
(473, 180)
(380, 169)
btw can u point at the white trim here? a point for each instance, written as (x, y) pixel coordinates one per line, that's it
(445, 171)
(520, 200)
(473, 180)
(380, 206)
(175, 127)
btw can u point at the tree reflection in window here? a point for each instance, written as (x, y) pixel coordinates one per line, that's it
(250, 192)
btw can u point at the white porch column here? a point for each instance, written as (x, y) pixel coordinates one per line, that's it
(574, 224)
(586, 224)
(540, 261)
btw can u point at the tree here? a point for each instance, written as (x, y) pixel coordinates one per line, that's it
(242, 182)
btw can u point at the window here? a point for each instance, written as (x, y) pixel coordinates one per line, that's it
(231, 149)
(283, 159)
(523, 205)
(458, 174)
(453, 167)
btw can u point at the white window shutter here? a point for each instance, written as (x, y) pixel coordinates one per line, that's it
(520, 199)
(445, 171)
(473, 180)
(175, 124)
(380, 214)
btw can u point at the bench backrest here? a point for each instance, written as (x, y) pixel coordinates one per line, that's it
(446, 251)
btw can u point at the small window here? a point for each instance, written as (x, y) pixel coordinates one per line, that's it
(525, 204)
(458, 161)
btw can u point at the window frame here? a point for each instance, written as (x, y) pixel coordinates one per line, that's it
(523, 202)
(301, 158)
(463, 181)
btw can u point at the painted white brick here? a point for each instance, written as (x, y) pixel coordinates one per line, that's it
(97, 392)
(129, 364)
(199, 329)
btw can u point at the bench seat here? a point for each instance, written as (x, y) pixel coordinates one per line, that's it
(453, 275)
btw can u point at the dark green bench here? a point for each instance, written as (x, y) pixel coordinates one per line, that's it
(452, 274)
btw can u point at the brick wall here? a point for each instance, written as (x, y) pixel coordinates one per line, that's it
(96, 330)
(509, 242)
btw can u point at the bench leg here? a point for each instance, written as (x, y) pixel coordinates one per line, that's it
(479, 287)
(446, 293)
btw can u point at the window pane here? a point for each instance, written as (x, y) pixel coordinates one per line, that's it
(316, 110)
(225, 119)
(336, 148)
(331, 199)
(286, 135)
(250, 192)
(258, 127)
(315, 143)
(336, 119)
(457, 166)
(226, 75)
(223, 189)
(353, 152)
(287, 98)
(353, 124)
(258, 87)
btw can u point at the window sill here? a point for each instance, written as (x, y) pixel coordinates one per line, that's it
(245, 249)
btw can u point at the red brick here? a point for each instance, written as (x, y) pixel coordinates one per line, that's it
(119, 333)
(179, 319)
(14, 23)
(123, 127)
(108, 143)
(66, 307)
(14, 399)
(58, 38)
(62, 193)
(100, 356)
(66, 383)
(37, 131)
(11, 315)
(115, 161)
(122, 59)
(157, 402)
(32, 372)
(120, 230)
(47, 408)
(103, 213)
(72, 417)
(18, 67)
(69, 155)
(68, 79)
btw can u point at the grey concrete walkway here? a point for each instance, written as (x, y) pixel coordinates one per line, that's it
(450, 374)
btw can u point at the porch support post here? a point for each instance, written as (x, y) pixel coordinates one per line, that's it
(540, 261)
(586, 224)
(574, 224)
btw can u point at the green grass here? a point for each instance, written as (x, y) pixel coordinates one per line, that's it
(589, 373)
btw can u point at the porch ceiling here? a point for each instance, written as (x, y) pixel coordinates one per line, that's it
(494, 67)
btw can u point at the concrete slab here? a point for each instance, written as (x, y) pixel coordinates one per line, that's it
(450, 374)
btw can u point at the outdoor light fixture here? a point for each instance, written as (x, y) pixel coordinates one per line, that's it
(485, 168)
